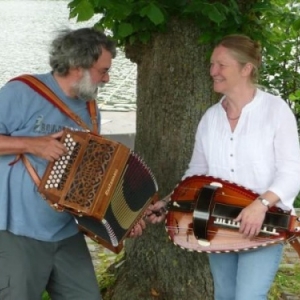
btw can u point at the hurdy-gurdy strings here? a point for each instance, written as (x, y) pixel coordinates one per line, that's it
(201, 217)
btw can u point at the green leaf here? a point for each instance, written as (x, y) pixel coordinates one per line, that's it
(74, 3)
(154, 14)
(125, 29)
(83, 9)
(144, 37)
(193, 7)
(262, 6)
(296, 24)
(213, 13)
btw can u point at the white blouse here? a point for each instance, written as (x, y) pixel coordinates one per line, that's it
(261, 154)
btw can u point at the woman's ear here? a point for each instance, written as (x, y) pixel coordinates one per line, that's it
(247, 69)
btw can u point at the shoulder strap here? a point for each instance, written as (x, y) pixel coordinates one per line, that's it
(48, 94)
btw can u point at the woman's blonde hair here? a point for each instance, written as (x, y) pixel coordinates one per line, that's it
(244, 50)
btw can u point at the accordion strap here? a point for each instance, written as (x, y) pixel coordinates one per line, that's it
(48, 94)
(31, 170)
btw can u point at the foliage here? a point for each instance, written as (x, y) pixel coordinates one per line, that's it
(133, 21)
(275, 23)
(46, 296)
(281, 65)
(105, 271)
(297, 201)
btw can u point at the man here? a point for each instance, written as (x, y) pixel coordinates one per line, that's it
(41, 248)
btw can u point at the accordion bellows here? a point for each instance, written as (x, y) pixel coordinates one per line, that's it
(105, 185)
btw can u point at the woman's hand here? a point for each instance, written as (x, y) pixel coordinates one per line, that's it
(251, 219)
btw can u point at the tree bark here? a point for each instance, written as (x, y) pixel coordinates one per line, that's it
(173, 91)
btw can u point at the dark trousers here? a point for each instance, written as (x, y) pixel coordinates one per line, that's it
(29, 267)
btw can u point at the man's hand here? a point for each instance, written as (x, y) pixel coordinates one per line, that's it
(156, 212)
(48, 147)
(137, 230)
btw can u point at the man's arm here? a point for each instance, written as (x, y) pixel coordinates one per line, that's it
(47, 147)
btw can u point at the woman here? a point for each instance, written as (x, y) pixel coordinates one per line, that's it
(249, 137)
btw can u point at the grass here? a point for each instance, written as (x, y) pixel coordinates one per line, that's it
(287, 281)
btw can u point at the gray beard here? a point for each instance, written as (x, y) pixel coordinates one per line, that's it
(85, 90)
(87, 95)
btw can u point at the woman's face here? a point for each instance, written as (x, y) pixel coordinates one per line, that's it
(226, 71)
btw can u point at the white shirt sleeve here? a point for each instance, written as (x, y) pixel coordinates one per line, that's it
(286, 179)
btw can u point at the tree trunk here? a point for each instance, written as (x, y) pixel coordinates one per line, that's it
(173, 91)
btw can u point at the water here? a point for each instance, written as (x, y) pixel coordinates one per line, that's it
(28, 27)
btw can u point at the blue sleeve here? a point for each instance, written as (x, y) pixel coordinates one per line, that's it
(11, 110)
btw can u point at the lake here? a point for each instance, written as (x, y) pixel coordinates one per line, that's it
(27, 29)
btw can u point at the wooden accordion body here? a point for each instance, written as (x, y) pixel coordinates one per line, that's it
(102, 183)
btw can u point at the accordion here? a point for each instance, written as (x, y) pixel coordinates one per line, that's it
(102, 183)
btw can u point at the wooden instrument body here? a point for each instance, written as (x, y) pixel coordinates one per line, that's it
(201, 211)
(102, 183)
(87, 174)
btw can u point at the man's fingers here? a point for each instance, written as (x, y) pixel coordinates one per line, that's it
(57, 135)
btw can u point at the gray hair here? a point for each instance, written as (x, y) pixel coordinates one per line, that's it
(78, 48)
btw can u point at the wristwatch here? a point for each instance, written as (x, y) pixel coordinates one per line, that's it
(264, 202)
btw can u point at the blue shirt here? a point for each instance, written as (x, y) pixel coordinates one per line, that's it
(23, 112)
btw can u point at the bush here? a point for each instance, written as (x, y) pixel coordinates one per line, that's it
(46, 296)
(297, 201)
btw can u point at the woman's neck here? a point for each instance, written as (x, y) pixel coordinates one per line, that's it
(235, 102)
